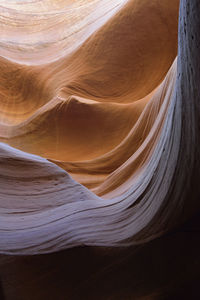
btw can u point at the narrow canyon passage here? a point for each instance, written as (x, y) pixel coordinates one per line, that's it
(98, 137)
(99, 146)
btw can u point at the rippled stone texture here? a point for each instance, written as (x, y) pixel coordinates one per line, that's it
(98, 135)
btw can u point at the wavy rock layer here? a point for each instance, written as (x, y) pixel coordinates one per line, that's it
(90, 94)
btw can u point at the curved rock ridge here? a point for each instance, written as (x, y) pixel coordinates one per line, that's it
(92, 123)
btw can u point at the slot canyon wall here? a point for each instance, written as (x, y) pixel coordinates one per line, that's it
(100, 128)
(99, 135)
(122, 120)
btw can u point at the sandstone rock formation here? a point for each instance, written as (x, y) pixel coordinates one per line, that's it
(99, 122)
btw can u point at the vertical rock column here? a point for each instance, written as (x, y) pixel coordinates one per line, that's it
(188, 97)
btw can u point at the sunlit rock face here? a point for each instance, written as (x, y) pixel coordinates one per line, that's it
(90, 123)
(76, 76)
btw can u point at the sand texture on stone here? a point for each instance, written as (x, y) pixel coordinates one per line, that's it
(90, 123)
